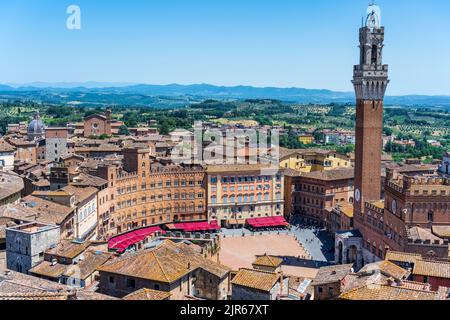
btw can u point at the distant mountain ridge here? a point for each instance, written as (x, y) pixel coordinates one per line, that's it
(299, 95)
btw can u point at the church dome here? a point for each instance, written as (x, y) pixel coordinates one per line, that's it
(36, 127)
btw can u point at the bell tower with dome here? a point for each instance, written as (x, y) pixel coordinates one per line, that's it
(36, 128)
(370, 80)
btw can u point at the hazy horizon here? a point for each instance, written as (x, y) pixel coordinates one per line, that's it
(281, 44)
(99, 85)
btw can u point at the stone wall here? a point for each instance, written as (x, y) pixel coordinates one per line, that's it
(25, 250)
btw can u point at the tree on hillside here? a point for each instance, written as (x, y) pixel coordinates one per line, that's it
(164, 128)
(123, 130)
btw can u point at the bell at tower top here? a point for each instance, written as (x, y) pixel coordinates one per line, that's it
(370, 77)
(373, 19)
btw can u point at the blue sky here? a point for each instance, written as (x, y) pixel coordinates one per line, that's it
(284, 43)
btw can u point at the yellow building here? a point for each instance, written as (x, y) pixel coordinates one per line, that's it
(306, 139)
(310, 160)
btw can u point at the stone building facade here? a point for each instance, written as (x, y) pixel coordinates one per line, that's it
(171, 267)
(414, 217)
(251, 284)
(97, 124)
(145, 191)
(56, 143)
(240, 192)
(6, 156)
(412, 203)
(314, 195)
(26, 151)
(311, 160)
(26, 244)
(444, 168)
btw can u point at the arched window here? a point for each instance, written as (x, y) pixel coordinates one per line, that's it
(374, 54)
(430, 216)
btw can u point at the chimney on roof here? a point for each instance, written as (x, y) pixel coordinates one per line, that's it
(390, 282)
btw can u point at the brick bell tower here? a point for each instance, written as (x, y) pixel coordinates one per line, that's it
(370, 79)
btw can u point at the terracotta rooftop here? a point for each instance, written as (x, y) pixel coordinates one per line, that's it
(68, 249)
(378, 203)
(166, 263)
(408, 168)
(239, 168)
(22, 143)
(418, 233)
(386, 292)
(415, 285)
(96, 115)
(330, 175)
(292, 173)
(83, 269)
(100, 148)
(5, 146)
(46, 269)
(267, 261)
(18, 286)
(347, 210)
(147, 294)
(36, 209)
(284, 152)
(84, 179)
(256, 279)
(387, 268)
(441, 231)
(81, 194)
(402, 256)
(86, 267)
(85, 294)
(357, 280)
(432, 268)
(332, 274)
(56, 193)
(10, 184)
(42, 183)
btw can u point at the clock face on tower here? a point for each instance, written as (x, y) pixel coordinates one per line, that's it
(357, 195)
(394, 206)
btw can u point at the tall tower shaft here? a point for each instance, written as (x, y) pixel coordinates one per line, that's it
(370, 80)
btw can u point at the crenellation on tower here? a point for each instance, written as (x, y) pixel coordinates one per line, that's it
(370, 80)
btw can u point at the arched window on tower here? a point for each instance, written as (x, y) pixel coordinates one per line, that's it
(374, 54)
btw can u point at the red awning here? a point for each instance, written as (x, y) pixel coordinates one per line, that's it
(196, 226)
(122, 242)
(266, 222)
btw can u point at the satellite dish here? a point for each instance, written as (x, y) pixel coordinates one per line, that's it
(373, 20)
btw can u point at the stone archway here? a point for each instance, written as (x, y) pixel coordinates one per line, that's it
(352, 254)
(340, 252)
